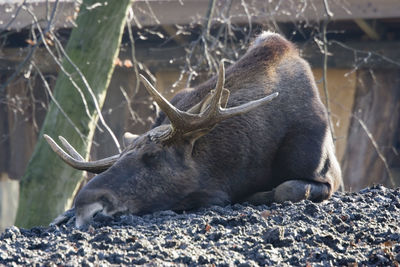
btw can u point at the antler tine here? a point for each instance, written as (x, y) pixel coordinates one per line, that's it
(216, 113)
(220, 85)
(76, 161)
(71, 150)
(244, 108)
(215, 104)
(185, 122)
(178, 118)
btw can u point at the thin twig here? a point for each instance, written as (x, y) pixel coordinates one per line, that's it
(89, 89)
(202, 39)
(133, 53)
(133, 114)
(14, 17)
(328, 14)
(209, 15)
(83, 78)
(370, 137)
(33, 103)
(366, 52)
(246, 10)
(58, 62)
(46, 85)
(32, 48)
(376, 147)
(152, 12)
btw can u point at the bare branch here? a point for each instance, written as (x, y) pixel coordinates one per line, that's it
(209, 15)
(133, 53)
(376, 147)
(14, 17)
(325, 68)
(94, 99)
(32, 48)
(85, 82)
(152, 12)
(47, 87)
(134, 116)
(58, 62)
(369, 53)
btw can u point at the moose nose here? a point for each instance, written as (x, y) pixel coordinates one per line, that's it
(92, 200)
(85, 213)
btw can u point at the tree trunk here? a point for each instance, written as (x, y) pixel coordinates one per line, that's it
(48, 184)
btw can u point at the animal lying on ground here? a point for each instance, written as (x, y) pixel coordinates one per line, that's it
(231, 139)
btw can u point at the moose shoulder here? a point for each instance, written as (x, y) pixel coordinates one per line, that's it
(231, 139)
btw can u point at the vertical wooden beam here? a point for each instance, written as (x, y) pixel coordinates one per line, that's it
(9, 193)
(22, 135)
(368, 29)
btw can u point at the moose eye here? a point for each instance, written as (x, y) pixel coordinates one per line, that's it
(150, 158)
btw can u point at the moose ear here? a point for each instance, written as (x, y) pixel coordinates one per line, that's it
(129, 138)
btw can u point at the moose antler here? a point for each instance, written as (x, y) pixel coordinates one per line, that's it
(200, 119)
(185, 122)
(75, 160)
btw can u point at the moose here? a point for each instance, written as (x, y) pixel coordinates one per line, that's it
(232, 139)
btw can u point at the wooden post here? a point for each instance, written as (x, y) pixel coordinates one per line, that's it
(8, 200)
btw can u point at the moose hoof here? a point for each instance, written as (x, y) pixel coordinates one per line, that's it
(297, 190)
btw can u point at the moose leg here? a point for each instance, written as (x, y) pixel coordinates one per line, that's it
(292, 190)
(296, 190)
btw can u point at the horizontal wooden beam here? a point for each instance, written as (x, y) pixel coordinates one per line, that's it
(261, 11)
(355, 55)
(14, 18)
(348, 55)
(168, 12)
(384, 55)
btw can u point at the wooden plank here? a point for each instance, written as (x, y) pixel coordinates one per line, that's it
(21, 131)
(66, 12)
(355, 55)
(9, 193)
(188, 11)
(349, 55)
(377, 107)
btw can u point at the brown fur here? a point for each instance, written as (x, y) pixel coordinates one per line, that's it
(277, 152)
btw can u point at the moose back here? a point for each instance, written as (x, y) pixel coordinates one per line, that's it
(231, 139)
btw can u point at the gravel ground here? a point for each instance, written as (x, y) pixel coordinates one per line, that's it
(350, 229)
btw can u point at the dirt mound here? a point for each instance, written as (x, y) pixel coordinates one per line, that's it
(351, 228)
